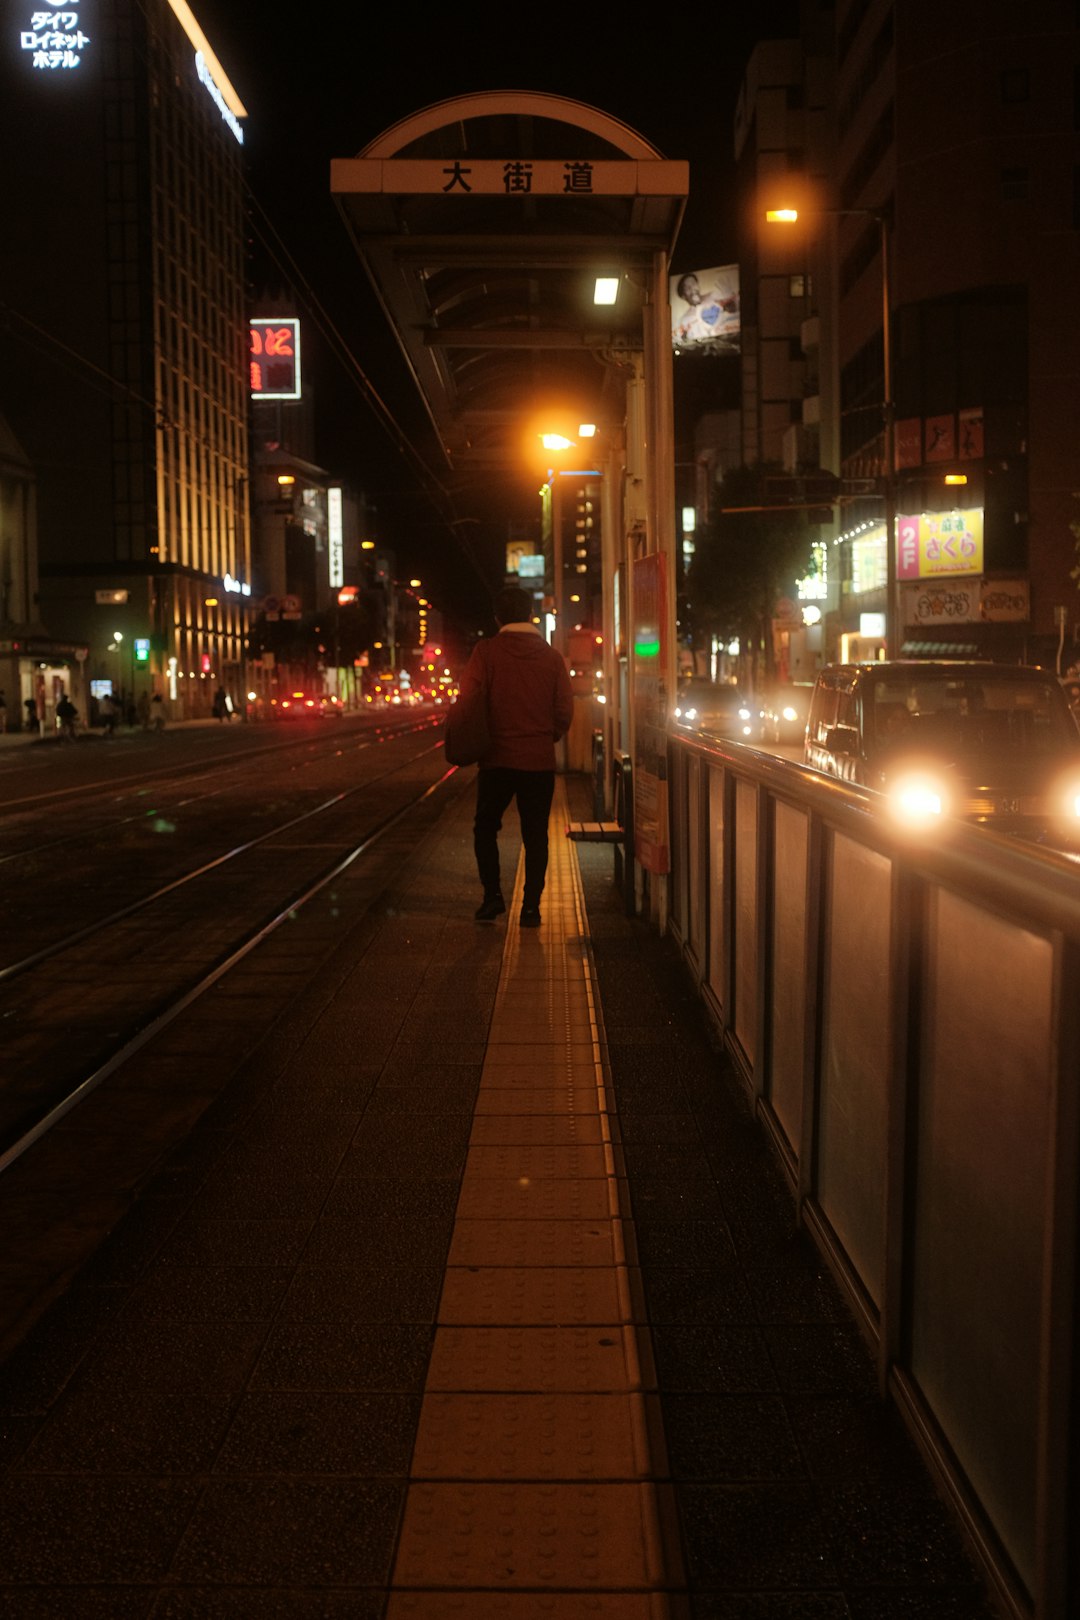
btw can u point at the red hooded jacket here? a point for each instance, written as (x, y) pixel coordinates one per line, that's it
(529, 698)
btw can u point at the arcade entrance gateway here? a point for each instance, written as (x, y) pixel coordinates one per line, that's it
(483, 224)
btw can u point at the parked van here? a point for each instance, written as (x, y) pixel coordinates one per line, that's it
(991, 743)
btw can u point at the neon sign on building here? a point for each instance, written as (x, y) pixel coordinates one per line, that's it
(210, 71)
(337, 538)
(275, 357)
(207, 78)
(54, 39)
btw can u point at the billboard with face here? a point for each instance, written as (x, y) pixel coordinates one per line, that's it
(705, 310)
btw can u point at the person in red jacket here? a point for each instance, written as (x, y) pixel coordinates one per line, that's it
(530, 705)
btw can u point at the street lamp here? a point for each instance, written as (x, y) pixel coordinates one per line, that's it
(894, 630)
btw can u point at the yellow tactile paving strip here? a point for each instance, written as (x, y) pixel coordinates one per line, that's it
(530, 1488)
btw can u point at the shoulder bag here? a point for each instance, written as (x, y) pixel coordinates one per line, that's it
(467, 736)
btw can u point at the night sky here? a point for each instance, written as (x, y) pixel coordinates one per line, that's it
(320, 82)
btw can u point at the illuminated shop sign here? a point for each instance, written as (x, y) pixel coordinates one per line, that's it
(932, 545)
(814, 587)
(275, 357)
(336, 536)
(869, 562)
(54, 40)
(235, 586)
(976, 601)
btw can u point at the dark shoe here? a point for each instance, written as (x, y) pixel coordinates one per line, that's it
(494, 905)
(530, 917)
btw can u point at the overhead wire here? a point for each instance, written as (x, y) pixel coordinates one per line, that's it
(286, 263)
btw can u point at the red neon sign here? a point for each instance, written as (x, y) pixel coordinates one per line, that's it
(274, 364)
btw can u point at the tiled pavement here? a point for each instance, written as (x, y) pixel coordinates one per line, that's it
(377, 1338)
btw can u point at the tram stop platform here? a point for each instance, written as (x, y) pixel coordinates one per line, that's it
(472, 1291)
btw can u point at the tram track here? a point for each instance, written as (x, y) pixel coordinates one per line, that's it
(188, 771)
(78, 1008)
(81, 860)
(15, 969)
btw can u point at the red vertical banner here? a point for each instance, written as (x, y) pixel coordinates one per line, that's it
(651, 846)
(908, 442)
(970, 436)
(940, 438)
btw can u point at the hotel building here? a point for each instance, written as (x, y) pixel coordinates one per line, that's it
(126, 369)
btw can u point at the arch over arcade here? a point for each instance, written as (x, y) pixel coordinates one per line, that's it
(482, 223)
(517, 104)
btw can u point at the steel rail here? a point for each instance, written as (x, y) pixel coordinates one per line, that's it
(15, 969)
(162, 1019)
(180, 769)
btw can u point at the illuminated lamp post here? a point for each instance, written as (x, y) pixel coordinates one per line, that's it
(894, 629)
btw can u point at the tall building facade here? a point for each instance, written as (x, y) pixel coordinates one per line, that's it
(127, 376)
(942, 178)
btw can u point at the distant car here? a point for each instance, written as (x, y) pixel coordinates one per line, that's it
(994, 744)
(302, 705)
(721, 711)
(784, 711)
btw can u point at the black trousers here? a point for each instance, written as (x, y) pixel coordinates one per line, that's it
(533, 791)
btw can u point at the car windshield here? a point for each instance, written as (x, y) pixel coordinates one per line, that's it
(706, 695)
(968, 714)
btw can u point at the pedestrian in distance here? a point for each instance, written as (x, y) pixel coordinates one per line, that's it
(530, 705)
(67, 718)
(157, 710)
(30, 706)
(3, 714)
(109, 714)
(221, 706)
(142, 709)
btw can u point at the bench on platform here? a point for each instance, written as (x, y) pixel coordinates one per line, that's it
(595, 832)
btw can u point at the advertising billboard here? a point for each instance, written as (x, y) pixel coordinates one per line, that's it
(705, 310)
(274, 343)
(931, 545)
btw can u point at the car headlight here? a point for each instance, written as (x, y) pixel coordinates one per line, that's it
(790, 714)
(1070, 798)
(744, 714)
(918, 800)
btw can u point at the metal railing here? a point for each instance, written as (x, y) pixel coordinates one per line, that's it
(906, 1017)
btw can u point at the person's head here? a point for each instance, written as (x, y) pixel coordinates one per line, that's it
(689, 288)
(513, 605)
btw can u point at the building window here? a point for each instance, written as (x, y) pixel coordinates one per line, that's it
(801, 285)
(1014, 185)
